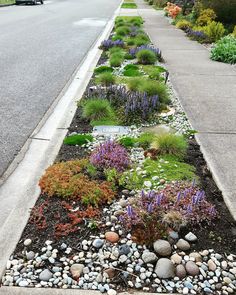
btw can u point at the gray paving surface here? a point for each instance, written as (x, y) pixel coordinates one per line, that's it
(207, 90)
(40, 48)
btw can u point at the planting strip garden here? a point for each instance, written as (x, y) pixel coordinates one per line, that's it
(130, 202)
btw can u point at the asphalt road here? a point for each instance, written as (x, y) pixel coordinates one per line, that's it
(40, 48)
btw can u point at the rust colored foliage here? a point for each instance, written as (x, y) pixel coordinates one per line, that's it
(75, 218)
(37, 216)
(66, 180)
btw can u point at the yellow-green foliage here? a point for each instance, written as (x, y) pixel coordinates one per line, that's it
(183, 24)
(234, 32)
(206, 15)
(214, 30)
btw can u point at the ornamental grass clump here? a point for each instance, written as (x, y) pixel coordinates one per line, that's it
(66, 179)
(146, 57)
(177, 205)
(171, 144)
(156, 51)
(106, 79)
(110, 155)
(97, 109)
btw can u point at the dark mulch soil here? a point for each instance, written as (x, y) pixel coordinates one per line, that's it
(221, 235)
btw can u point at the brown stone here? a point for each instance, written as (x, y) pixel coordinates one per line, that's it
(180, 271)
(111, 272)
(112, 237)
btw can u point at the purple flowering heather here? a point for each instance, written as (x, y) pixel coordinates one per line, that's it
(197, 35)
(110, 154)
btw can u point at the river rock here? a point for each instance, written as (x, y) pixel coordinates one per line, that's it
(183, 245)
(112, 237)
(190, 237)
(45, 275)
(211, 265)
(180, 271)
(76, 270)
(98, 243)
(192, 268)
(162, 247)
(165, 268)
(176, 258)
(149, 257)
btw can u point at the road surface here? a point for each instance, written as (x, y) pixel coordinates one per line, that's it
(40, 48)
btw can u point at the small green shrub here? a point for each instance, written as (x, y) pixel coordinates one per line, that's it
(146, 57)
(127, 141)
(234, 32)
(156, 88)
(116, 60)
(97, 109)
(117, 37)
(123, 30)
(105, 79)
(154, 72)
(129, 5)
(140, 40)
(145, 139)
(214, 30)
(183, 25)
(78, 139)
(131, 70)
(134, 83)
(172, 144)
(103, 69)
(117, 50)
(225, 50)
(206, 16)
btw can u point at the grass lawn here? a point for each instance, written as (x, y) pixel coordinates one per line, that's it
(4, 2)
(128, 5)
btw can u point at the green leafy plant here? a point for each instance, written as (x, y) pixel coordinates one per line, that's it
(168, 143)
(112, 175)
(154, 72)
(106, 79)
(225, 50)
(97, 109)
(129, 5)
(78, 139)
(145, 139)
(234, 32)
(214, 30)
(146, 57)
(127, 141)
(131, 70)
(103, 69)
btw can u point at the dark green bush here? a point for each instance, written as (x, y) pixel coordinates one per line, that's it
(78, 139)
(131, 70)
(146, 57)
(123, 30)
(103, 69)
(224, 9)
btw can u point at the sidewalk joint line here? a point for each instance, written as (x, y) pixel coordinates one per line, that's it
(38, 138)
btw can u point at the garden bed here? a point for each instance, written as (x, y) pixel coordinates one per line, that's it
(128, 208)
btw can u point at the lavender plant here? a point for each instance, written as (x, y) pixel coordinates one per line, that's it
(133, 106)
(110, 155)
(197, 36)
(133, 51)
(107, 44)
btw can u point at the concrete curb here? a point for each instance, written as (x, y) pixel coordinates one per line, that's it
(42, 149)
(44, 291)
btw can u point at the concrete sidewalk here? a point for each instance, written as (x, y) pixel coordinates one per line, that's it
(207, 90)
